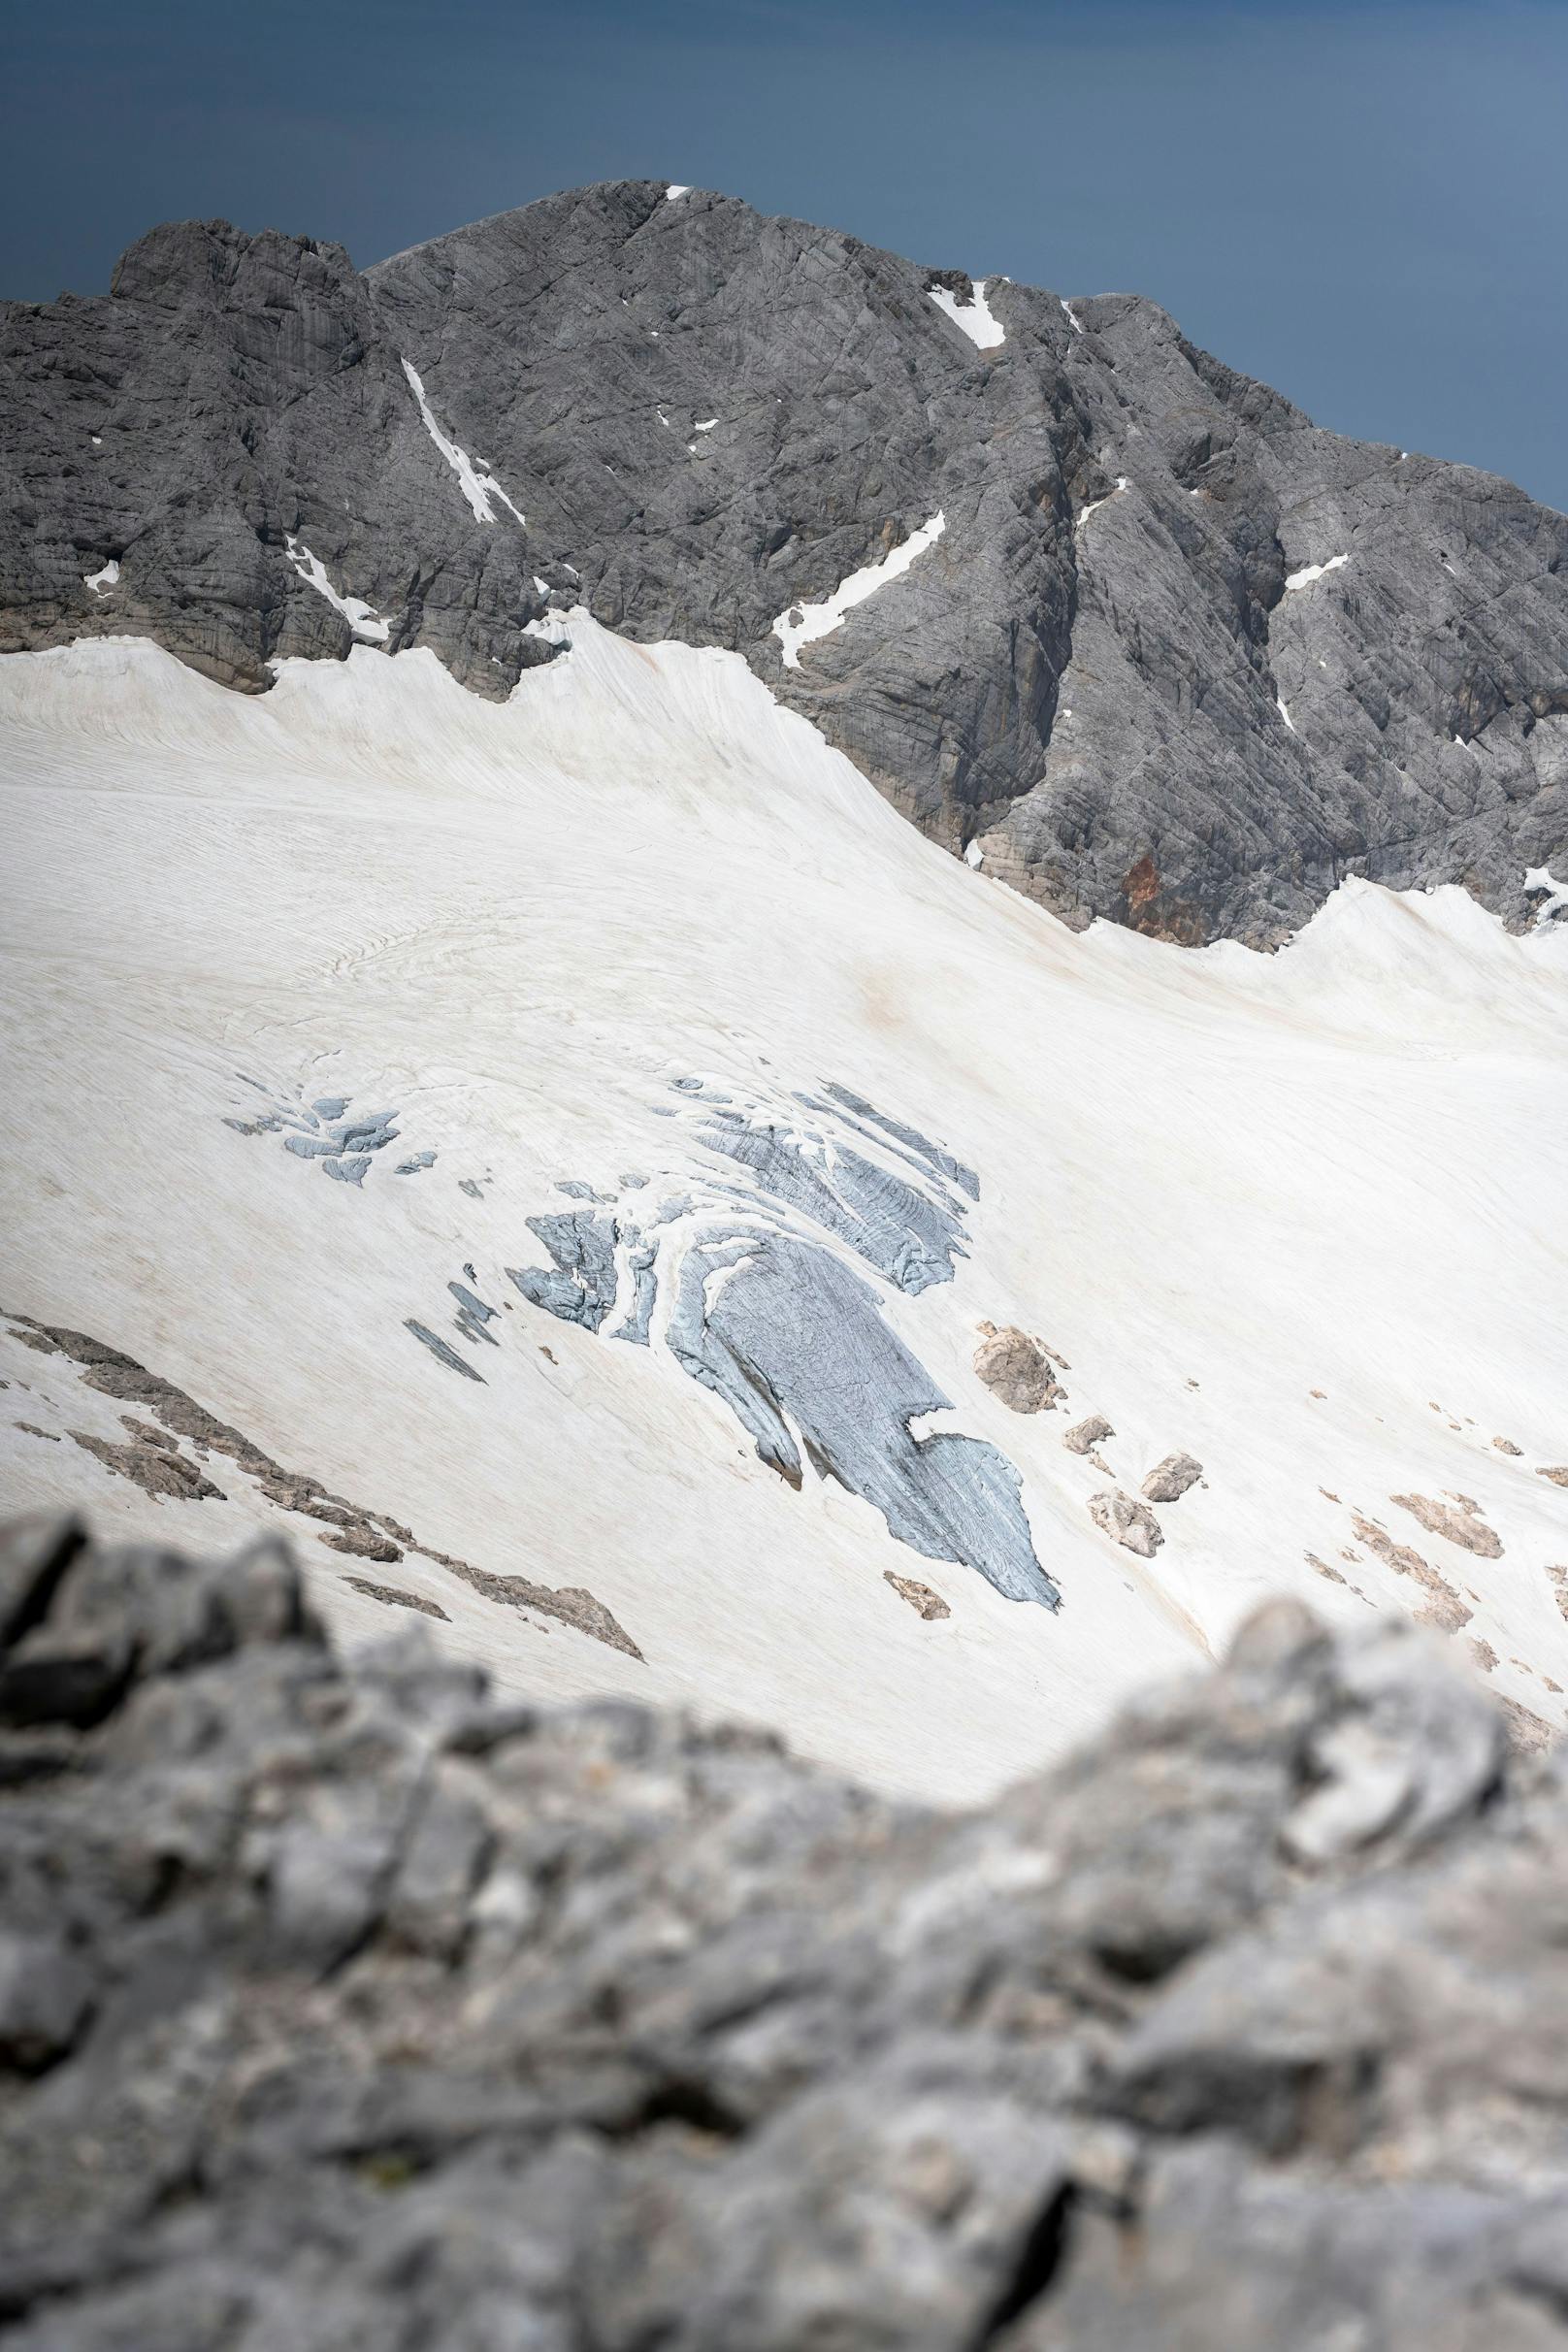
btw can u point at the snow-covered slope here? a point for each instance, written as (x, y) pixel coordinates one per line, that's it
(799, 1103)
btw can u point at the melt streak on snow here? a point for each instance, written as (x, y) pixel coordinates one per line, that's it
(1215, 1182)
(984, 331)
(474, 478)
(820, 620)
(365, 621)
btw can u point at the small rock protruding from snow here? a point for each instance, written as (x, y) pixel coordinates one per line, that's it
(975, 317)
(1313, 572)
(1017, 1370)
(1126, 1522)
(100, 583)
(366, 623)
(1169, 1480)
(474, 475)
(921, 1598)
(1085, 1435)
(803, 624)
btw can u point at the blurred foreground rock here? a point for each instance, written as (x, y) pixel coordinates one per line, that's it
(343, 2003)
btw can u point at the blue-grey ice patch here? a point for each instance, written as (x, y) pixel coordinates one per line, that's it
(787, 1333)
(765, 1310)
(940, 1162)
(640, 1264)
(416, 1166)
(344, 1143)
(470, 1302)
(903, 1233)
(581, 1285)
(442, 1352)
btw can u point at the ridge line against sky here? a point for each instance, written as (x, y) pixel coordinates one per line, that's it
(1362, 202)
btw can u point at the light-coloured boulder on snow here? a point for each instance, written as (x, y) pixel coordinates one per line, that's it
(1169, 1480)
(1017, 1369)
(1130, 1522)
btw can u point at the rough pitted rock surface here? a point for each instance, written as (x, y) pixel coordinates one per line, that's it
(1178, 658)
(341, 2003)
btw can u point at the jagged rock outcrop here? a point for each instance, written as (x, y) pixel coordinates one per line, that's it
(1170, 654)
(343, 2001)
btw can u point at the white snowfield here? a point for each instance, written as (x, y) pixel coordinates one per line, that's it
(1302, 1216)
(820, 620)
(975, 318)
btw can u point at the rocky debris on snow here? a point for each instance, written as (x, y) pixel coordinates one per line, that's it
(250, 451)
(1506, 1445)
(1559, 1584)
(1458, 1518)
(1169, 1480)
(1017, 1369)
(1443, 1608)
(159, 1471)
(155, 1464)
(1085, 1435)
(921, 1598)
(1485, 1655)
(1130, 1522)
(344, 2001)
(1558, 1474)
(396, 1598)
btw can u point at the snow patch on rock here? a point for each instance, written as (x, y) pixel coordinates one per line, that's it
(974, 318)
(479, 486)
(803, 624)
(1313, 572)
(363, 619)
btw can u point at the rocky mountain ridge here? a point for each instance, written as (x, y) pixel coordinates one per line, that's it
(343, 2001)
(1148, 644)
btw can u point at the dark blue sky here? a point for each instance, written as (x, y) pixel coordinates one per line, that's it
(1365, 204)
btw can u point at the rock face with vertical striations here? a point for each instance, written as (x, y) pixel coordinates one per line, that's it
(1155, 648)
(345, 2001)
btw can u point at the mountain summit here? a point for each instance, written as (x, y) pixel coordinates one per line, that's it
(1115, 623)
